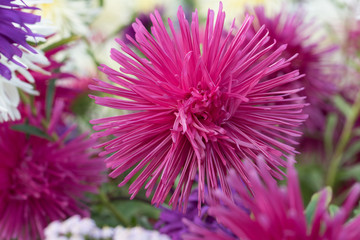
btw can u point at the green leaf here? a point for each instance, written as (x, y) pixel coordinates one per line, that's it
(333, 209)
(144, 222)
(50, 98)
(329, 133)
(133, 221)
(352, 150)
(357, 210)
(311, 176)
(351, 172)
(31, 130)
(81, 105)
(356, 132)
(342, 105)
(311, 207)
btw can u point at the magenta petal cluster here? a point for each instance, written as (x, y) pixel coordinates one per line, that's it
(200, 102)
(42, 181)
(277, 212)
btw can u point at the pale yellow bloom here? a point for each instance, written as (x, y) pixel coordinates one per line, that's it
(235, 8)
(121, 13)
(69, 16)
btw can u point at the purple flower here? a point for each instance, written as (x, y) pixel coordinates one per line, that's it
(14, 33)
(199, 105)
(42, 180)
(276, 212)
(129, 30)
(171, 221)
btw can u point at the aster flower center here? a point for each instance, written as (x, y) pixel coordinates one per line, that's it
(200, 116)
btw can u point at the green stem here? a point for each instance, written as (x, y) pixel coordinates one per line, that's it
(90, 52)
(343, 141)
(61, 43)
(104, 199)
(28, 100)
(45, 125)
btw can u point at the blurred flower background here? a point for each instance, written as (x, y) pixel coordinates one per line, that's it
(118, 123)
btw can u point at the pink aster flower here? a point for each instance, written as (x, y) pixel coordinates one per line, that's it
(292, 29)
(42, 181)
(276, 212)
(197, 106)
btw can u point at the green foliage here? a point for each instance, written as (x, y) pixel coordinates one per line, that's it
(81, 105)
(342, 105)
(137, 212)
(357, 210)
(311, 177)
(352, 150)
(352, 172)
(311, 207)
(61, 42)
(50, 93)
(331, 123)
(31, 130)
(333, 209)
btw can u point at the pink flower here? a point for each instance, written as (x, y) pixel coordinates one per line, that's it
(196, 107)
(291, 28)
(353, 39)
(276, 212)
(42, 181)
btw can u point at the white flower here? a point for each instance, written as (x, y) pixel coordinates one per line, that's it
(9, 89)
(53, 230)
(59, 238)
(76, 237)
(78, 60)
(67, 226)
(107, 232)
(44, 27)
(83, 227)
(95, 233)
(137, 233)
(80, 229)
(9, 100)
(69, 16)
